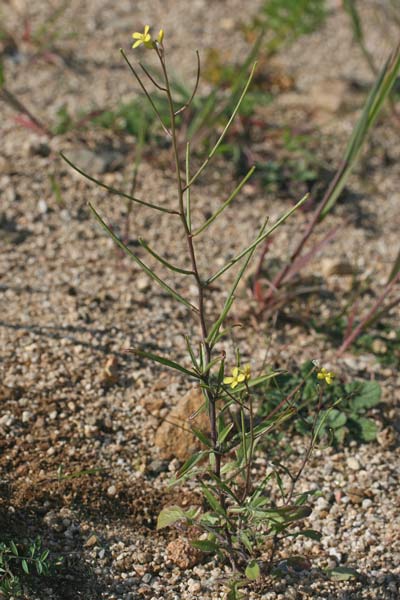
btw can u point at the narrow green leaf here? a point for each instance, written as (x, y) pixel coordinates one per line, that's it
(230, 299)
(2, 76)
(212, 501)
(207, 368)
(44, 556)
(223, 434)
(169, 515)
(202, 437)
(141, 264)
(39, 567)
(115, 191)
(395, 268)
(215, 328)
(225, 204)
(162, 260)
(225, 332)
(165, 361)
(189, 464)
(191, 353)
(205, 545)
(221, 485)
(25, 567)
(312, 534)
(14, 548)
(188, 206)
(221, 373)
(288, 514)
(302, 498)
(252, 570)
(342, 573)
(261, 237)
(221, 137)
(244, 538)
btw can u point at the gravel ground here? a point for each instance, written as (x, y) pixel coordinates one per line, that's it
(72, 398)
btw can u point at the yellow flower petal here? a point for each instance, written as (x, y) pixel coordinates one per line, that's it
(326, 375)
(246, 371)
(329, 378)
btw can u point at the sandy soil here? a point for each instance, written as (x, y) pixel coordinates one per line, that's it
(75, 403)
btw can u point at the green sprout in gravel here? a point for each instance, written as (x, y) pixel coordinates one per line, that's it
(19, 561)
(240, 522)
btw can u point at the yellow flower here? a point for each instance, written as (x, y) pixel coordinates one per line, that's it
(143, 38)
(327, 376)
(246, 371)
(237, 377)
(160, 38)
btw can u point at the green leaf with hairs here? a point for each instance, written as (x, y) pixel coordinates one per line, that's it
(342, 573)
(205, 545)
(170, 515)
(368, 429)
(252, 570)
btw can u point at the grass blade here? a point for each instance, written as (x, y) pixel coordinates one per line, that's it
(379, 93)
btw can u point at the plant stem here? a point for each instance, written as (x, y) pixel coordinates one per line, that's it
(200, 286)
(251, 447)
